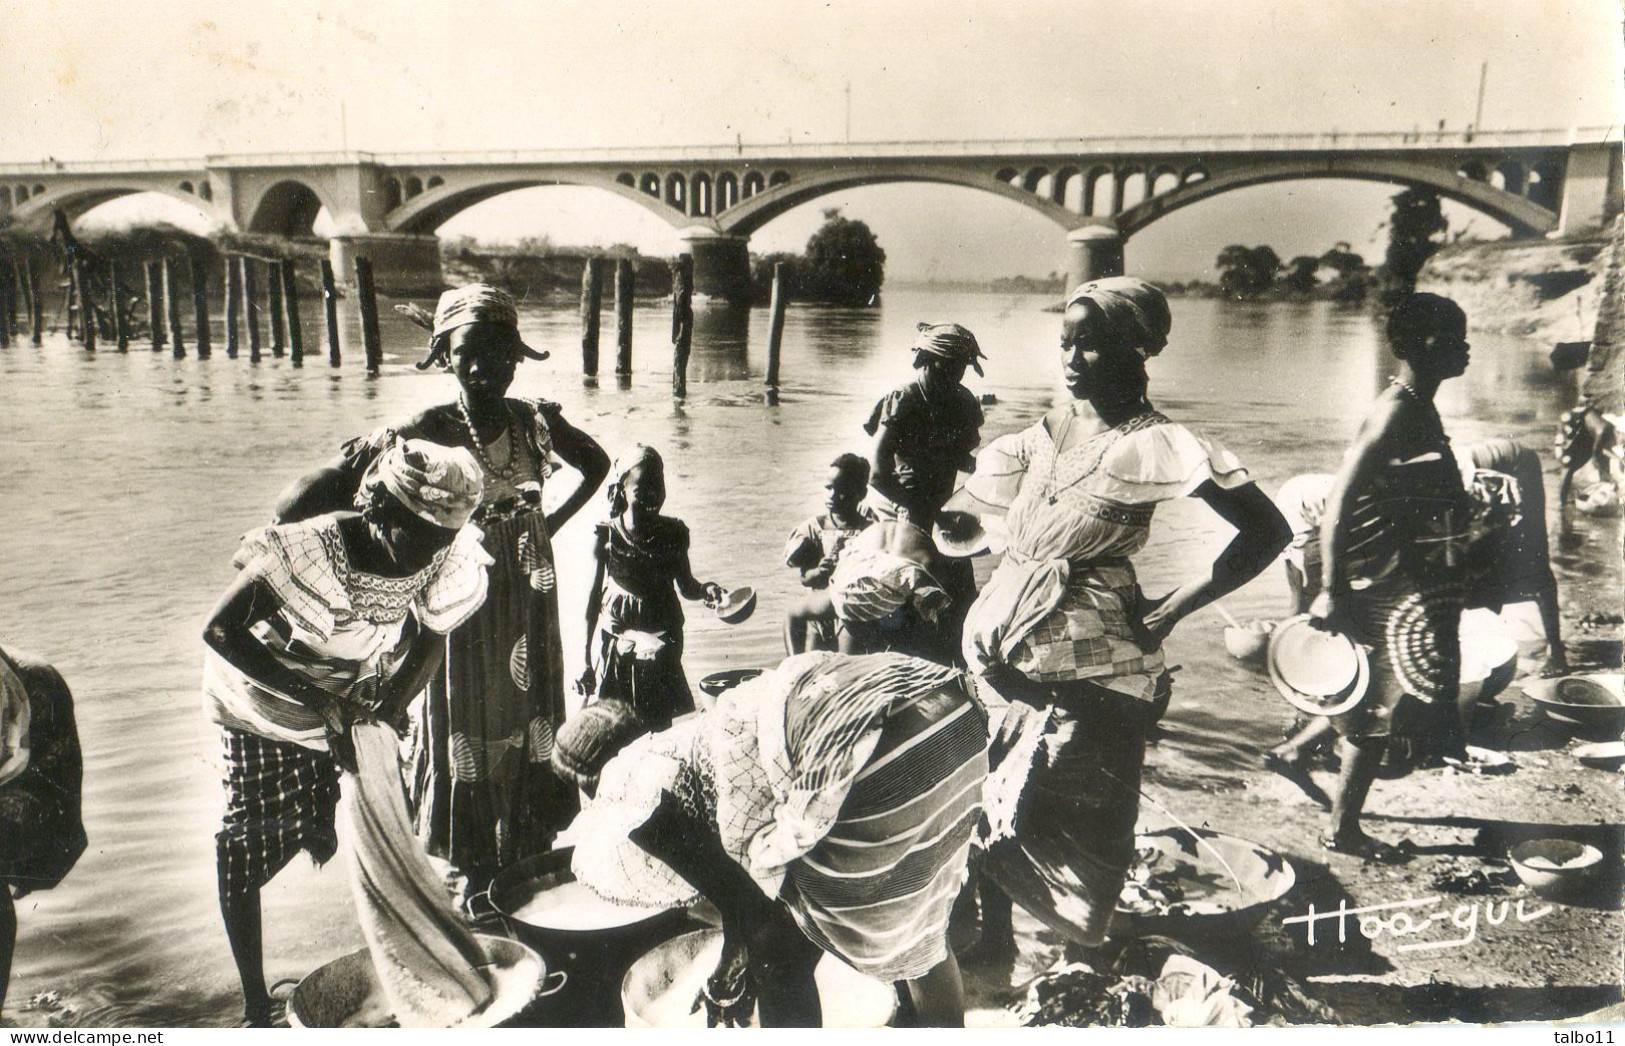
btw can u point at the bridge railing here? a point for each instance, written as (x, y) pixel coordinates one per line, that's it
(1319, 141)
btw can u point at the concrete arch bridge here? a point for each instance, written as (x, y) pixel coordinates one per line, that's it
(1098, 191)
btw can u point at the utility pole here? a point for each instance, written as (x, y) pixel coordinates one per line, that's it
(1478, 113)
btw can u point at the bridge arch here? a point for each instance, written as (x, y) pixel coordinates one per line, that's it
(434, 207)
(755, 211)
(1522, 215)
(288, 208)
(35, 204)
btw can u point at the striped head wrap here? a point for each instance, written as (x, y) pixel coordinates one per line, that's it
(1136, 311)
(948, 341)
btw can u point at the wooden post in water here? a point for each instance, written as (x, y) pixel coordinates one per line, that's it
(36, 319)
(251, 306)
(121, 337)
(25, 296)
(273, 300)
(682, 321)
(290, 301)
(200, 309)
(368, 302)
(172, 302)
(8, 304)
(592, 293)
(775, 329)
(234, 303)
(625, 278)
(87, 305)
(155, 308)
(75, 305)
(330, 304)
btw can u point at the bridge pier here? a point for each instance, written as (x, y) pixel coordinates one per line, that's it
(721, 263)
(405, 263)
(1591, 189)
(1094, 251)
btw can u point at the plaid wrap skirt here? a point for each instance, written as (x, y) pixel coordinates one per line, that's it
(280, 799)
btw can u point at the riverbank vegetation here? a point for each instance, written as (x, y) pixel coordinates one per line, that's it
(843, 264)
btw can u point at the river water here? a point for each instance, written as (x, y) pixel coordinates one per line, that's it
(128, 478)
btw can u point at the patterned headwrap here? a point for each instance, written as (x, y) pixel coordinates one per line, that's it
(438, 483)
(474, 303)
(638, 457)
(948, 341)
(1137, 312)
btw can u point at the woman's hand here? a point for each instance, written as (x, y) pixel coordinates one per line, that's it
(1328, 614)
(1012, 685)
(587, 683)
(729, 995)
(958, 526)
(1157, 619)
(713, 593)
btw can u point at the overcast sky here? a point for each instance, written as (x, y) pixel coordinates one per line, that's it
(112, 80)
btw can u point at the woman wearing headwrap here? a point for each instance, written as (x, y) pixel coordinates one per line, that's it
(925, 433)
(482, 791)
(1062, 629)
(634, 618)
(41, 831)
(1392, 564)
(825, 806)
(330, 620)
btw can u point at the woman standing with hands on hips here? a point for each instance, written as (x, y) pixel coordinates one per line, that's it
(482, 789)
(1062, 630)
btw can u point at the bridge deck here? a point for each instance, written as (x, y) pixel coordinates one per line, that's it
(1139, 145)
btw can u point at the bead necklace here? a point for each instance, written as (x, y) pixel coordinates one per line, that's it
(1407, 389)
(508, 468)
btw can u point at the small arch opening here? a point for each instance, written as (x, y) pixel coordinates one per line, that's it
(1099, 189)
(727, 191)
(651, 184)
(1034, 178)
(187, 187)
(700, 206)
(392, 194)
(1473, 171)
(205, 190)
(677, 192)
(1061, 184)
(1193, 174)
(434, 182)
(413, 186)
(778, 178)
(753, 183)
(625, 178)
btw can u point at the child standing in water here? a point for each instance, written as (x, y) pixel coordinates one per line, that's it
(634, 620)
(815, 547)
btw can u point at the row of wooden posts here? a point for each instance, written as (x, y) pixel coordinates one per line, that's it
(19, 285)
(682, 319)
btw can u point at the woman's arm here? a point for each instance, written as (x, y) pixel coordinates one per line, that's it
(416, 671)
(750, 920)
(883, 474)
(246, 603)
(1359, 464)
(582, 453)
(1261, 533)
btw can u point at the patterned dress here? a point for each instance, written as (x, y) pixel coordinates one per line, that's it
(483, 793)
(1405, 573)
(343, 630)
(847, 787)
(1062, 606)
(638, 652)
